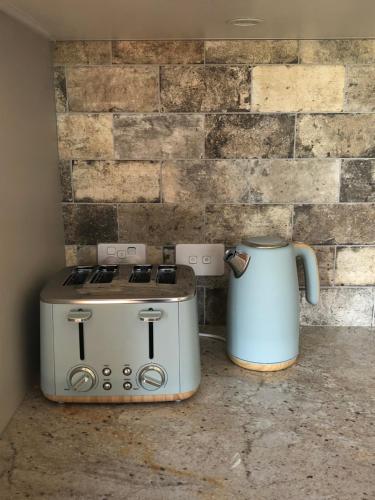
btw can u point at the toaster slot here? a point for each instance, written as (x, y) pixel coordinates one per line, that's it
(78, 276)
(104, 274)
(151, 340)
(81, 336)
(166, 275)
(80, 317)
(141, 274)
(149, 316)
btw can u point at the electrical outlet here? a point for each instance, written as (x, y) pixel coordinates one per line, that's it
(206, 260)
(121, 253)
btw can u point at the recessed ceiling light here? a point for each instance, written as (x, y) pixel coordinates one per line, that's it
(244, 21)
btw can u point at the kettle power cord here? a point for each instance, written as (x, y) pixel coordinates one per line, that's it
(214, 337)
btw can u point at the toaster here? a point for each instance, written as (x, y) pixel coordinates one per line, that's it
(118, 334)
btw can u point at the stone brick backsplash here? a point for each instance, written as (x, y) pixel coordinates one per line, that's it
(191, 141)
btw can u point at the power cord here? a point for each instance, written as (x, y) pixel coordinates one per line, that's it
(214, 337)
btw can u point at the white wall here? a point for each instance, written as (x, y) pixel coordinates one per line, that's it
(31, 232)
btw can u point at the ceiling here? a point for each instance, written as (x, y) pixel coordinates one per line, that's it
(176, 19)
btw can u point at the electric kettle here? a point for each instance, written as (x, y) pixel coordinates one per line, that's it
(263, 301)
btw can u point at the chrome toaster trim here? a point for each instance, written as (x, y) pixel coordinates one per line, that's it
(120, 290)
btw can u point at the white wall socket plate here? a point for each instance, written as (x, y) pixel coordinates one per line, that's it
(206, 260)
(121, 253)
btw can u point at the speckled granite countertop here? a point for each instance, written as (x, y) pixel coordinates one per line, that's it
(306, 432)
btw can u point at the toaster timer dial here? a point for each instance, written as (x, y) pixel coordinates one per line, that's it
(82, 379)
(152, 377)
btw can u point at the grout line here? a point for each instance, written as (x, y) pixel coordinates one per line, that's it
(204, 136)
(292, 216)
(224, 113)
(110, 53)
(298, 51)
(205, 63)
(71, 180)
(235, 203)
(334, 264)
(205, 222)
(232, 159)
(159, 88)
(161, 182)
(204, 305)
(118, 225)
(113, 137)
(251, 97)
(183, 113)
(295, 137)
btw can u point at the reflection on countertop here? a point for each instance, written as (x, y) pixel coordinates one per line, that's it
(306, 432)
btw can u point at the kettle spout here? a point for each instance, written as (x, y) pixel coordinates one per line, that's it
(238, 261)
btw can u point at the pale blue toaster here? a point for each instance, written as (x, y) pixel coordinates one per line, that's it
(263, 301)
(118, 334)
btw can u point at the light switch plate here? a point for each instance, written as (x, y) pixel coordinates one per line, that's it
(121, 253)
(206, 260)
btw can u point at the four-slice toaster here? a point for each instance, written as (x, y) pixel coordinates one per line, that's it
(124, 333)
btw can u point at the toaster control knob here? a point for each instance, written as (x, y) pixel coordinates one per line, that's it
(82, 379)
(152, 377)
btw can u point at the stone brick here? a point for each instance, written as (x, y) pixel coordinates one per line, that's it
(106, 181)
(154, 254)
(158, 52)
(82, 52)
(357, 180)
(335, 135)
(71, 255)
(326, 263)
(339, 307)
(206, 181)
(355, 266)
(201, 300)
(251, 51)
(89, 224)
(360, 94)
(117, 88)
(216, 306)
(233, 223)
(65, 180)
(77, 255)
(158, 136)
(337, 51)
(84, 136)
(294, 181)
(161, 223)
(298, 88)
(249, 136)
(335, 224)
(205, 88)
(60, 89)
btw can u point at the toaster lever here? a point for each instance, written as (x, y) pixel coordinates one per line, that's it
(79, 316)
(149, 315)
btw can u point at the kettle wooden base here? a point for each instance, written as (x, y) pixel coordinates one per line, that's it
(262, 367)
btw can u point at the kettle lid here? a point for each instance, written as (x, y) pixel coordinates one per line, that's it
(266, 242)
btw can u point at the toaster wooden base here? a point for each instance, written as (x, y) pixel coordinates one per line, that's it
(262, 367)
(157, 398)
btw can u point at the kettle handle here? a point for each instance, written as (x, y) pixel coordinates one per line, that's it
(311, 271)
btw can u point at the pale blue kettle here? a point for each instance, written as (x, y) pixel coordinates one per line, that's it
(263, 301)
